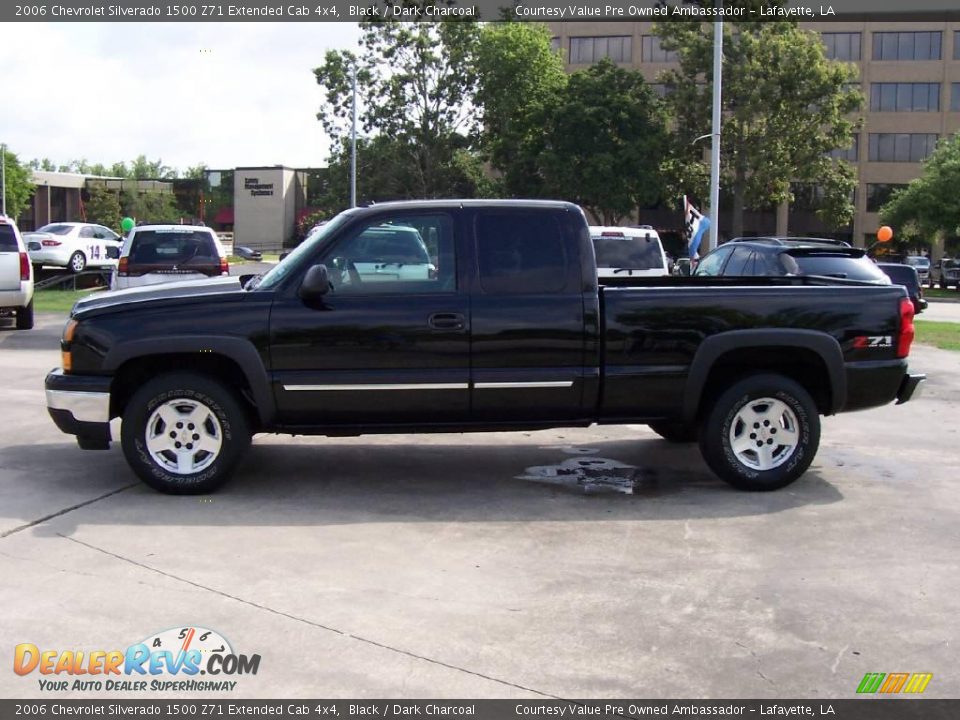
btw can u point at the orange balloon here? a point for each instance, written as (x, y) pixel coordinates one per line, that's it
(885, 234)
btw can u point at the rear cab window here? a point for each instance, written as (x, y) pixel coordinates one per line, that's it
(520, 253)
(615, 250)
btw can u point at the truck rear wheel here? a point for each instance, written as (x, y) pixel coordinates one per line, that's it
(762, 433)
(25, 316)
(183, 433)
(675, 432)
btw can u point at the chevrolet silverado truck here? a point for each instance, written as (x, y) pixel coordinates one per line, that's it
(510, 329)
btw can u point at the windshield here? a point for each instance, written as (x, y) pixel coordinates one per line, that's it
(636, 253)
(56, 229)
(296, 258)
(921, 262)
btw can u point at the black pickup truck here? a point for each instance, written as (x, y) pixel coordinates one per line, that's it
(437, 316)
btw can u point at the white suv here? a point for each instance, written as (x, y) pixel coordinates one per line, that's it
(154, 254)
(16, 275)
(628, 252)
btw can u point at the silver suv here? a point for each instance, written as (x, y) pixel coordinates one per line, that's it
(16, 275)
(946, 274)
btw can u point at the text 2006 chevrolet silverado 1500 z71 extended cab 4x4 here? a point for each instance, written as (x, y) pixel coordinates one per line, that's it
(506, 329)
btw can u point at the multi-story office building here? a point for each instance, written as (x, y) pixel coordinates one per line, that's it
(909, 75)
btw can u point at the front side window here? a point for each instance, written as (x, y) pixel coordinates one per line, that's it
(409, 254)
(712, 264)
(520, 253)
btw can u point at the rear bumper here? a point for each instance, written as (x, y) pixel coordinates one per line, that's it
(909, 387)
(80, 405)
(17, 298)
(878, 382)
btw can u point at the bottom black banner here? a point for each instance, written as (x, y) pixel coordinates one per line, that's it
(849, 709)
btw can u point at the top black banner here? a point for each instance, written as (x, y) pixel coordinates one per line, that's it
(486, 10)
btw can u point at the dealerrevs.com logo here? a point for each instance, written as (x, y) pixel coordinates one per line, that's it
(178, 659)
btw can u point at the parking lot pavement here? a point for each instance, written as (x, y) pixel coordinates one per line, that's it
(394, 566)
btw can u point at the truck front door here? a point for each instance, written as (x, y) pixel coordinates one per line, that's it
(389, 344)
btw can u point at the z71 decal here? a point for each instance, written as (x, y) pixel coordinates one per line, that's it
(862, 342)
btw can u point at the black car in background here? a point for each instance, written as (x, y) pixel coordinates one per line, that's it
(907, 276)
(775, 256)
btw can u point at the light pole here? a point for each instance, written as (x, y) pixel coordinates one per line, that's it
(3, 177)
(715, 129)
(353, 137)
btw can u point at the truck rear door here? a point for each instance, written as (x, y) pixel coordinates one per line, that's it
(527, 317)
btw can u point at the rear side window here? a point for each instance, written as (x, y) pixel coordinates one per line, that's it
(636, 253)
(851, 268)
(8, 240)
(713, 262)
(173, 247)
(520, 253)
(56, 229)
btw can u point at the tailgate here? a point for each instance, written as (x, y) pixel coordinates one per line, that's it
(9, 270)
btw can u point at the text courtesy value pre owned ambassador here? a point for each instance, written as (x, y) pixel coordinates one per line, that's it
(436, 316)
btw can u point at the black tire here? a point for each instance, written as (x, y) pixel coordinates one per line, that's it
(787, 462)
(225, 419)
(675, 432)
(77, 262)
(25, 316)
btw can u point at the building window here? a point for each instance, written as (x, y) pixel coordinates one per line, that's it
(955, 97)
(878, 194)
(956, 44)
(842, 45)
(652, 52)
(901, 147)
(905, 97)
(850, 154)
(661, 90)
(588, 50)
(906, 45)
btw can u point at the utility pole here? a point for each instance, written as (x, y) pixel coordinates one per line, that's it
(353, 138)
(715, 141)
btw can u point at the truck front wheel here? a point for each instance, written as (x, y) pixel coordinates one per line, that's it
(183, 433)
(762, 433)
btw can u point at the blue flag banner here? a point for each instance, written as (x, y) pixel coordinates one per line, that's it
(696, 224)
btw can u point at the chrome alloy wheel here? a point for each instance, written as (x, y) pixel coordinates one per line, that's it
(183, 436)
(764, 433)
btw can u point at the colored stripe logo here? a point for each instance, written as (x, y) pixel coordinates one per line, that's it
(893, 683)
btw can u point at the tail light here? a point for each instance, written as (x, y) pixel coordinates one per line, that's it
(24, 267)
(123, 267)
(224, 266)
(905, 338)
(50, 243)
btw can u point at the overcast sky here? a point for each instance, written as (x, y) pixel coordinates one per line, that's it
(227, 95)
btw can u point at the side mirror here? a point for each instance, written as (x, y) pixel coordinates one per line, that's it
(316, 283)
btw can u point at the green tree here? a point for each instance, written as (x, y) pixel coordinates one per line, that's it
(415, 86)
(929, 205)
(18, 185)
(785, 107)
(150, 206)
(603, 141)
(103, 207)
(520, 78)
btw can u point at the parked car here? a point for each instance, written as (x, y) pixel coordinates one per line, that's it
(16, 275)
(247, 253)
(73, 245)
(628, 252)
(683, 267)
(155, 254)
(907, 276)
(946, 274)
(513, 331)
(922, 265)
(800, 256)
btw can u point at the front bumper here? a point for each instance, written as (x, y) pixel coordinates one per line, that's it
(909, 387)
(80, 405)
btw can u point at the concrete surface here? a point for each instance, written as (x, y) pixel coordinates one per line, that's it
(421, 566)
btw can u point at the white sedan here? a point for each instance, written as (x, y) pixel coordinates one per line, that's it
(73, 245)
